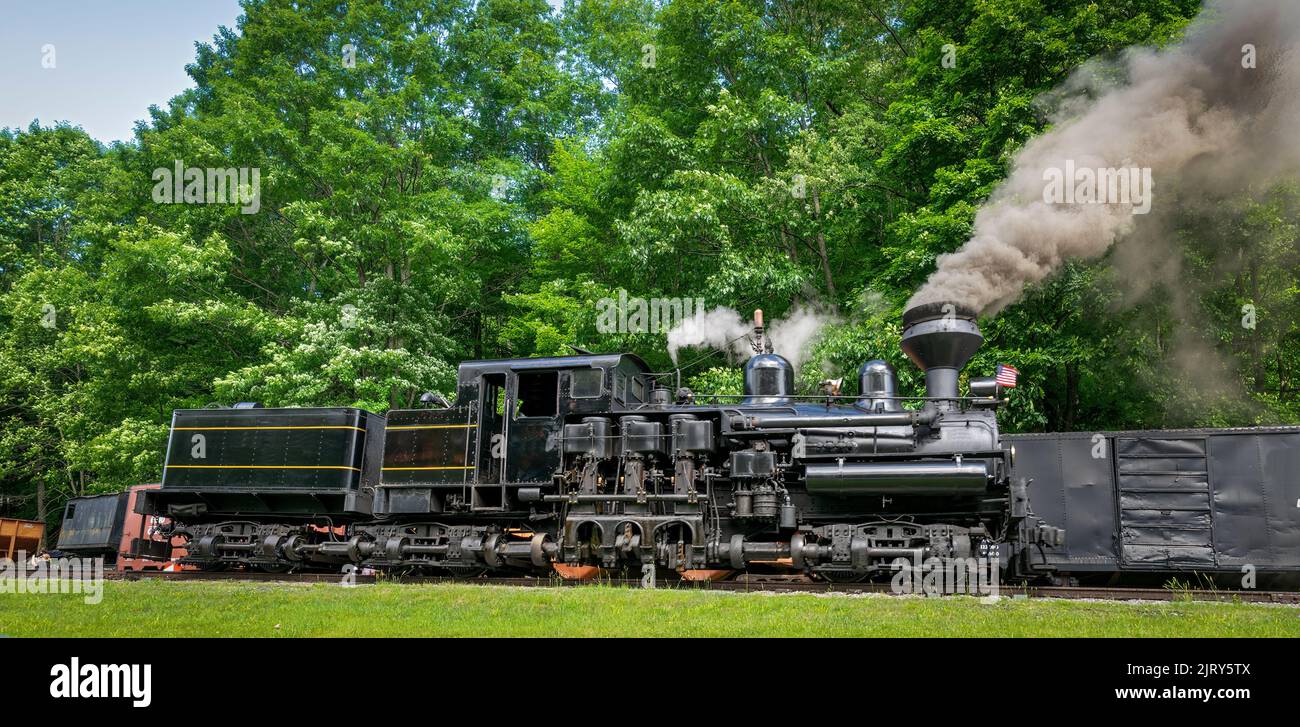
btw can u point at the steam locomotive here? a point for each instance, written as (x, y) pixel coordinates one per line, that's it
(588, 461)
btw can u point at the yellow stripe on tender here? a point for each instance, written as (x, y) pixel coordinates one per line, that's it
(260, 467)
(214, 429)
(409, 469)
(432, 426)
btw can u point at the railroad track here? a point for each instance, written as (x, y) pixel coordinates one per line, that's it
(753, 584)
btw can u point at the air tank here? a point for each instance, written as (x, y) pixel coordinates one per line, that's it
(640, 435)
(592, 437)
(690, 434)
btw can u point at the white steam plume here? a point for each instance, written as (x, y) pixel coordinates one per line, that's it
(793, 335)
(719, 328)
(725, 329)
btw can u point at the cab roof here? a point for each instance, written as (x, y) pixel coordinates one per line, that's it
(595, 360)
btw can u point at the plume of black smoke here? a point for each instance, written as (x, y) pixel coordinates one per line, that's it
(1195, 114)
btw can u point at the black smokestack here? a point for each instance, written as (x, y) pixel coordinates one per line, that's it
(940, 338)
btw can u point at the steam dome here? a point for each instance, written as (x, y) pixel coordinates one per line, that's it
(769, 379)
(879, 386)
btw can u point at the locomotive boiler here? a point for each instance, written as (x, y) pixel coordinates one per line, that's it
(591, 461)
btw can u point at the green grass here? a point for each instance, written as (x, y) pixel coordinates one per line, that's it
(156, 608)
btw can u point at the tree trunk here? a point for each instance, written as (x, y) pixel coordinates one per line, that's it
(821, 249)
(478, 334)
(1070, 415)
(40, 510)
(1259, 371)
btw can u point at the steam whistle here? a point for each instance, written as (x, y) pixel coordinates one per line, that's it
(761, 343)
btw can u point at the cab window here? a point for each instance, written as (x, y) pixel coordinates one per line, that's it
(537, 394)
(587, 383)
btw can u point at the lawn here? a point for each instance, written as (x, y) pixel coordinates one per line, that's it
(155, 608)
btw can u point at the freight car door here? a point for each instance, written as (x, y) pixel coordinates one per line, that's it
(1164, 501)
(1255, 478)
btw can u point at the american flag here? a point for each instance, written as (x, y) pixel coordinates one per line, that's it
(1006, 375)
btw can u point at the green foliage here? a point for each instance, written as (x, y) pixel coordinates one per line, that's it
(723, 385)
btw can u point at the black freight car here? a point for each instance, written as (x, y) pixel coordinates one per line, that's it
(92, 526)
(1148, 505)
(113, 527)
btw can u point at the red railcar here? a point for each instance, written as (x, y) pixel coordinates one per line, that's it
(141, 547)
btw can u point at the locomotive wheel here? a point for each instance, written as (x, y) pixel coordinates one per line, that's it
(274, 567)
(216, 567)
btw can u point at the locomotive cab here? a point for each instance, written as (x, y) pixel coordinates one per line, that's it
(500, 441)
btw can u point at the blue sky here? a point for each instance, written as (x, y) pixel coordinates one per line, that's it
(113, 59)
